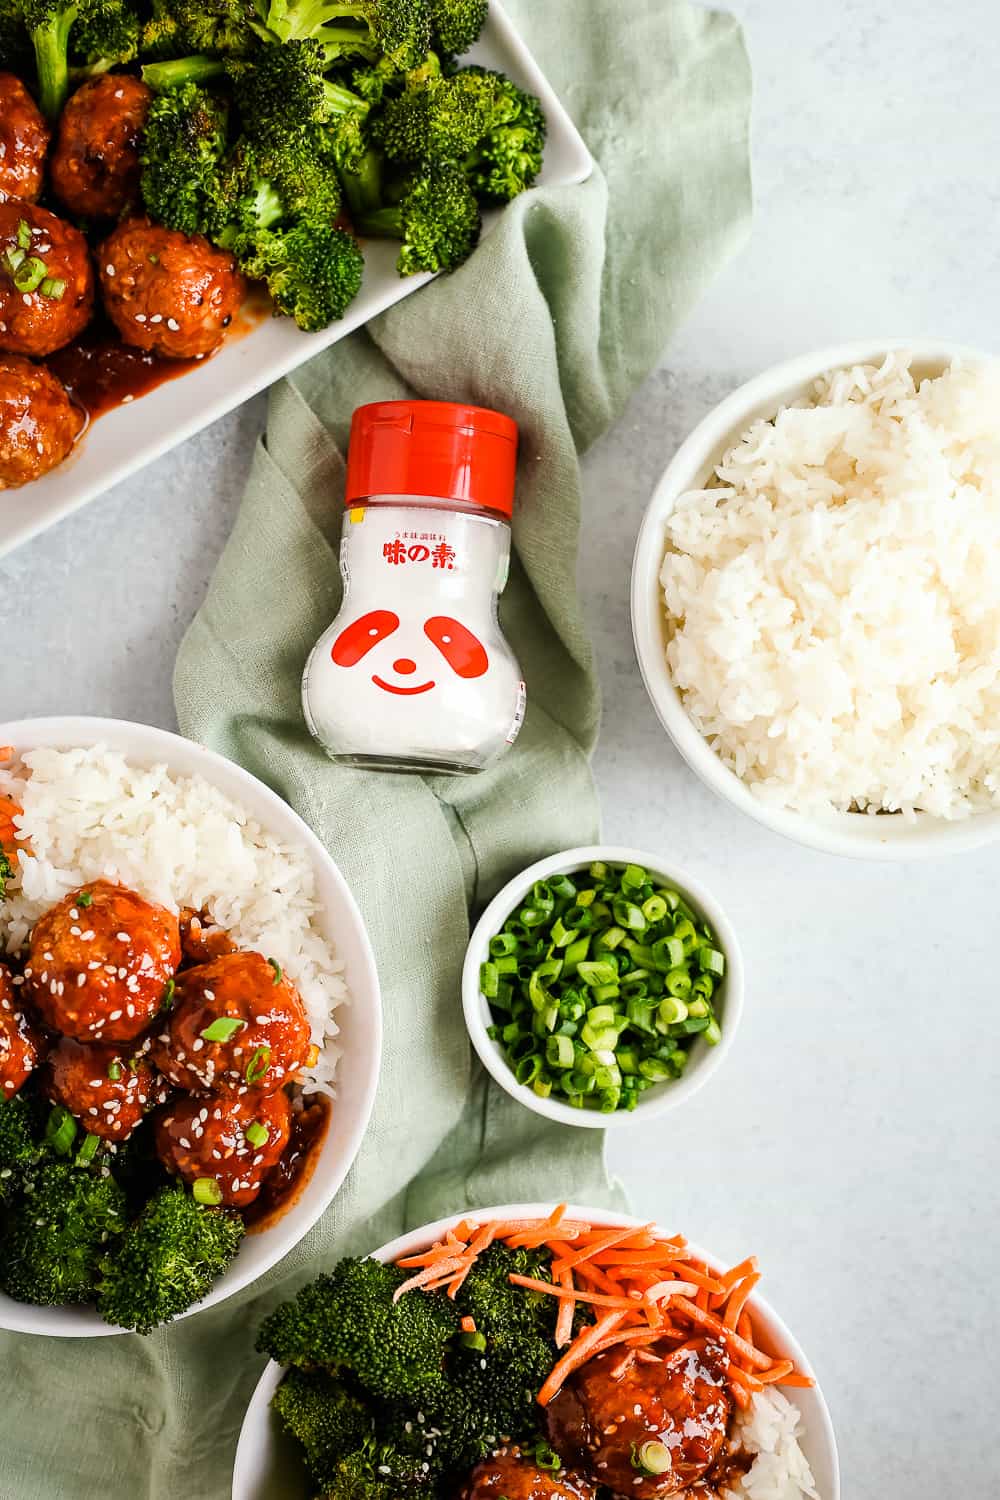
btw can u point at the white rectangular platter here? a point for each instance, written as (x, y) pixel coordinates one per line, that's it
(125, 439)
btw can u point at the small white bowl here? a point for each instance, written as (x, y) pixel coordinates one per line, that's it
(852, 834)
(268, 1466)
(704, 1060)
(360, 1018)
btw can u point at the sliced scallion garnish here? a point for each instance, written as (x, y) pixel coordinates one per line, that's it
(223, 1029)
(207, 1191)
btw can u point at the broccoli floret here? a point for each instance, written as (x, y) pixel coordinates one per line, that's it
(440, 119)
(6, 864)
(397, 30)
(437, 219)
(184, 142)
(509, 157)
(22, 1123)
(329, 1420)
(457, 23)
(168, 1260)
(56, 1232)
(96, 29)
(178, 27)
(261, 188)
(375, 1471)
(284, 91)
(312, 271)
(348, 1320)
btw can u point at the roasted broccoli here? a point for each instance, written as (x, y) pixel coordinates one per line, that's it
(348, 1319)
(312, 271)
(21, 1127)
(329, 1420)
(457, 23)
(55, 1233)
(179, 27)
(166, 1261)
(184, 142)
(437, 219)
(284, 91)
(397, 30)
(440, 119)
(509, 156)
(105, 29)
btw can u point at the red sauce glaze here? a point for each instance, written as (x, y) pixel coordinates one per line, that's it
(286, 1181)
(100, 372)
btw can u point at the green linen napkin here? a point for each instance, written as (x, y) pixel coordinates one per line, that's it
(555, 320)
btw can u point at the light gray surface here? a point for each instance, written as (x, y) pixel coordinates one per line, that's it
(851, 1140)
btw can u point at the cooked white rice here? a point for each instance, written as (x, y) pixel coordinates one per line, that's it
(833, 607)
(770, 1429)
(90, 814)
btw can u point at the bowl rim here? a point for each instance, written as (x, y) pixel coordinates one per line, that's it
(415, 1240)
(147, 741)
(705, 1061)
(846, 834)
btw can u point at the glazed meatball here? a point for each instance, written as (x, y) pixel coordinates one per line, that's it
(237, 1023)
(169, 292)
(46, 280)
(206, 1136)
(508, 1475)
(38, 422)
(20, 1047)
(108, 1088)
(95, 165)
(607, 1412)
(100, 962)
(24, 140)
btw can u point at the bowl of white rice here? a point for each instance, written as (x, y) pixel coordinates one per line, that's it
(185, 827)
(814, 599)
(789, 1433)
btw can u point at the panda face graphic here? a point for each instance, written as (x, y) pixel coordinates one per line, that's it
(462, 651)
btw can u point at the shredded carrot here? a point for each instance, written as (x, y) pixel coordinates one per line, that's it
(645, 1288)
(738, 1299)
(9, 810)
(577, 1354)
(797, 1379)
(564, 1322)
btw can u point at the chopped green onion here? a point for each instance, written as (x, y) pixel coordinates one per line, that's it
(86, 899)
(89, 1149)
(54, 288)
(115, 1071)
(30, 274)
(651, 1458)
(223, 1029)
(546, 1457)
(23, 234)
(207, 1191)
(258, 1065)
(12, 259)
(167, 998)
(256, 1134)
(60, 1131)
(713, 1033)
(475, 1341)
(599, 984)
(277, 970)
(559, 1052)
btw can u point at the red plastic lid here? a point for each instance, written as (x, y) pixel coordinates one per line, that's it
(438, 448)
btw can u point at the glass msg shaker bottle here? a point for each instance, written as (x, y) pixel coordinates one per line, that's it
(414, 674)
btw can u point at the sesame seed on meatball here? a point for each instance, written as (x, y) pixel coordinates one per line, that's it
(100, 961)
(38, 422)
(172, 293)
(46, 280)
(20, 1045)
(234, 1141)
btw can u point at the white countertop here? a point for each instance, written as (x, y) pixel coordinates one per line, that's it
(851, 1141)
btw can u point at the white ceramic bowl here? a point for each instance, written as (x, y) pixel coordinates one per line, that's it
(704, 1060)
(128, 437)
(360, 1020)
(856, 835)
(268, 1466)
